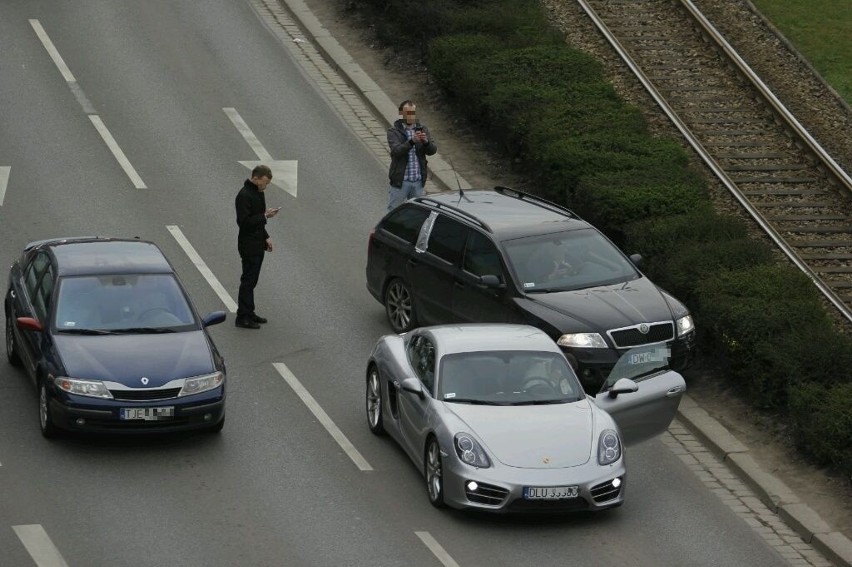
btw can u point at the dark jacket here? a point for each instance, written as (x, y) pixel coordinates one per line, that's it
(251, 218)
(399, 148)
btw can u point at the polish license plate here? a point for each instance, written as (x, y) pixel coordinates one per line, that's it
(551, 492)
(148, 414)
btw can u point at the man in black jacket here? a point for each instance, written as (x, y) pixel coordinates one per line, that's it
(409, 142)
(252, 242)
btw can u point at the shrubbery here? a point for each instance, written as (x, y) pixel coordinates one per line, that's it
(552, 110)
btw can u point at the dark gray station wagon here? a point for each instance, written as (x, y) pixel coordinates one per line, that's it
(505, 256)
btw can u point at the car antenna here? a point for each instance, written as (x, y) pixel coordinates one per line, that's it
(461, 191)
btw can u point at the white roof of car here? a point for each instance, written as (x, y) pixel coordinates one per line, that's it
(490, 336)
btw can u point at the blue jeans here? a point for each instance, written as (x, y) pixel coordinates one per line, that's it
(398, 195)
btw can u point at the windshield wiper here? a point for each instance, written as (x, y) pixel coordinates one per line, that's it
(85, 332)
(474, 402)
(543, 402)
(142, 330)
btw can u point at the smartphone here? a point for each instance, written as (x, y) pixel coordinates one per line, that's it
(418, 128)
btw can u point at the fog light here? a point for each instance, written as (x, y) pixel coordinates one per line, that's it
(616, 482)
(472, 486)
(208, 416)
(80, 421)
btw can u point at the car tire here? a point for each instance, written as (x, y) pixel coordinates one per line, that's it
(11, 345)
(399, 306)
(375, 415)
(48, 429)
(434, 472)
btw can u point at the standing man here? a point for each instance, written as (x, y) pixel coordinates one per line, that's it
(409, 142)
(252, 242)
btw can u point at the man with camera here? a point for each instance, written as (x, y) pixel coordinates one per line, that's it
(409, 142)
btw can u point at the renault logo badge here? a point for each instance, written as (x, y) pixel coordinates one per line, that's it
(644, 328)
(144, 381)
(546, 460)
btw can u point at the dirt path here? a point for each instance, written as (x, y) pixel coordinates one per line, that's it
(402, 78)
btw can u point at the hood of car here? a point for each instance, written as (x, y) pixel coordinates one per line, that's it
(534, 437)
(609, 307)
(128, 358)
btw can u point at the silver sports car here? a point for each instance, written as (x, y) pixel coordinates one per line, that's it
(496, 419)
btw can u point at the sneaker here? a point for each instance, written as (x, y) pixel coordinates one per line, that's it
(258, 319)
(246, 323)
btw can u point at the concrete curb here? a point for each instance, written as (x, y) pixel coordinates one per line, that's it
(772, 492)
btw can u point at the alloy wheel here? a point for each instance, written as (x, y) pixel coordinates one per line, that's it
(11, 348)
(374, 402)
(434, 475)
(399, 307)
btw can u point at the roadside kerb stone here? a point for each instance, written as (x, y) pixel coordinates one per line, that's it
(771, 491)
(382, 106)
(835, 546)
(709, 430)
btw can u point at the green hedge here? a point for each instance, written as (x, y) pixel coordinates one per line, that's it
(823, 423)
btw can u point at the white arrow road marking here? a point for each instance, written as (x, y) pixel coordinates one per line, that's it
(4, 181)
(202, 267)
(116, 151)
(323, 418)
(437, 549)
(284, 172)
(39, 546)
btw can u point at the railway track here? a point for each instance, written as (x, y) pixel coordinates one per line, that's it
(790, 185)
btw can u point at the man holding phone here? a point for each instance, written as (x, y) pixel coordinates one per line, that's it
(409, 142)
(252, 242)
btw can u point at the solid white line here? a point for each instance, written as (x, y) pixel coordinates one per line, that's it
(116, 151)
(202, 267)
(436, 548)
(323, 418)
(4, 181)
(52, 51)
(38, 544)
(246, 133)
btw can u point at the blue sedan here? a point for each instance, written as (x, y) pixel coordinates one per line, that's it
(109, 337)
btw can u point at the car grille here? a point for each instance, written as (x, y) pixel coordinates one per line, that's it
(631, 336)
(142, 394)
(486, 494)
(605, 492)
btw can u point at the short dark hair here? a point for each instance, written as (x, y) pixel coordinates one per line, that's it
(405, 103)
(261, 171)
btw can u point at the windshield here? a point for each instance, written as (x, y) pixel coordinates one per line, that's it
(136, 303)
(507, 378)
(568, 260)
(639, 364)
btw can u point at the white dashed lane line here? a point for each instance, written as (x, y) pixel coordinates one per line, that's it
(323, 417)
(117, 152)
(202, 267)
(437, 549)
(39, 546)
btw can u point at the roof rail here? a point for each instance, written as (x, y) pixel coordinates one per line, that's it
(454, 210)
(524, 196)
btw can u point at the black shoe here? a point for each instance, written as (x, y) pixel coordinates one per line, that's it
(258, 319)
(246, 323)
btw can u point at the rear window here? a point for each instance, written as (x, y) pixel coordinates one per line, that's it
(405, 223)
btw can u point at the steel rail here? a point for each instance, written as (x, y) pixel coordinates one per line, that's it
(732, 187)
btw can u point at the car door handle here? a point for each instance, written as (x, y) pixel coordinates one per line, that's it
(676, 391)
(12, 294)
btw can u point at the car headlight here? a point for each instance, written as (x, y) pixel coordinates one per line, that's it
(583, 340)
(609, 447)
(200, 384)
(91, 388)
(470, 452)
(684, 325)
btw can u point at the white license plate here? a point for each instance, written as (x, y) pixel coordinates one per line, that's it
(551, 492)
(148, 414)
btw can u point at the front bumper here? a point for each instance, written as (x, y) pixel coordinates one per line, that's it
(501, 489)
(77, 413)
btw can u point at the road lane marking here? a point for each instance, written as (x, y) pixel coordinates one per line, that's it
(323, 417)
(63, 68)
(202, 267)
(39, 546)
(4, 181)
(116, 151)
(437, 549)
(284, 172)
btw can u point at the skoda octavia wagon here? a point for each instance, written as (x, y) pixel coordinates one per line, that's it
(505, 256)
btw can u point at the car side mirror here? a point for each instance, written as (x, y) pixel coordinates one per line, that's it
(28, 324)
(491, 282)
(636, 259)
(623, 386)
(412, 385)
(213, 318)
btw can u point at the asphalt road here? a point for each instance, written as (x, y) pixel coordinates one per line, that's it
(127, 135)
